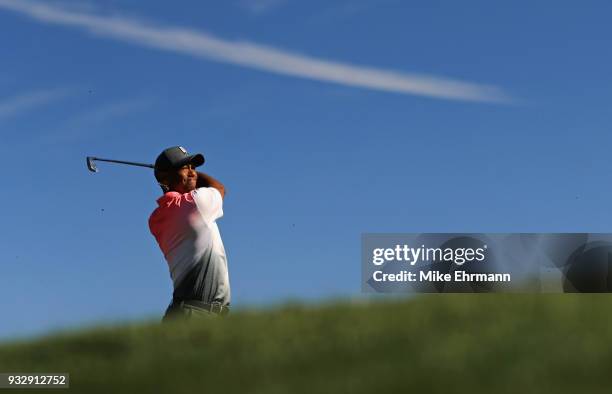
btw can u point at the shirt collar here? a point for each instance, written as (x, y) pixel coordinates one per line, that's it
(168, 196)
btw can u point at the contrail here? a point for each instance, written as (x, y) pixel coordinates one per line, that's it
(261, 57)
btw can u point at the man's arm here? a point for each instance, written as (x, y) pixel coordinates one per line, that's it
(208, 181)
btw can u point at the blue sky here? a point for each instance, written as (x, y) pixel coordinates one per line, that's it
(324, 119)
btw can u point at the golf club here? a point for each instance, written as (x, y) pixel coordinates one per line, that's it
(92, 166)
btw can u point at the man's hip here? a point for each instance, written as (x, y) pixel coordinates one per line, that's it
(189, 309)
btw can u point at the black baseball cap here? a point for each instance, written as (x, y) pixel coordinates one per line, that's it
(176, 157)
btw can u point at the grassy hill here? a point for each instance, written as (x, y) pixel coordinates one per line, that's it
(438, 343)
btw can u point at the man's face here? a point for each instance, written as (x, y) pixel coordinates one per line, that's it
(185, 179)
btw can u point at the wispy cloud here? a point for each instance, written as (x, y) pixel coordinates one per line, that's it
(24, 102)
(80, 125)
(259, 7)
(204, 45)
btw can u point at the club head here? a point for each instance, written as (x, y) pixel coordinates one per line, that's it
(90, 164)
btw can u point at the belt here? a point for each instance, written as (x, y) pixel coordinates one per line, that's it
(213, 307)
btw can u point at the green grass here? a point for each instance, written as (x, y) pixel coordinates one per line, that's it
(440, 344)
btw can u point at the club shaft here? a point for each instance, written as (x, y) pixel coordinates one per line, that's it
(124, 162)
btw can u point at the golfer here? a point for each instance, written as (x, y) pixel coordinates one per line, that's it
(184, 225)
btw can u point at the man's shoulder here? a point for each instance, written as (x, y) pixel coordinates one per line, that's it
(209, 202)
(154, 217)
(204, 191)
(207, 190)
(207, 197)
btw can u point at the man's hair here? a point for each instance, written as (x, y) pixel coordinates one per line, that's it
(163, 180)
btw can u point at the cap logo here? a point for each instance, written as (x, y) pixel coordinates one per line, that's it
(182, 149)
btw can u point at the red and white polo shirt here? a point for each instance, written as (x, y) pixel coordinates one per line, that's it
(185, 228)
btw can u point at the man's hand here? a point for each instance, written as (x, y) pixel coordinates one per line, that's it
(208, 181)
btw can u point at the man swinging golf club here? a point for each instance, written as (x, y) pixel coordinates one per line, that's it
(184, 225)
